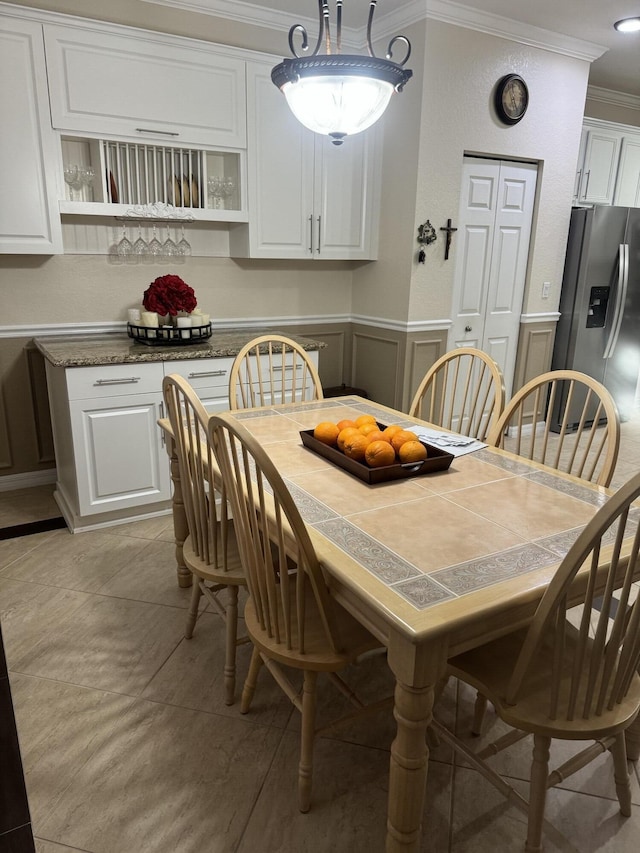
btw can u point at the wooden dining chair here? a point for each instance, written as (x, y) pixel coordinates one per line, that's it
(290, 616)
(272, 369)
(463, 392)
(568, 677)
(587, 440)
(210, 550)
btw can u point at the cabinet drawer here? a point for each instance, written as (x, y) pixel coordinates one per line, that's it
(114, 380)
(202, 373)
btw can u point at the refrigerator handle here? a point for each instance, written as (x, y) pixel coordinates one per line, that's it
(621, 298)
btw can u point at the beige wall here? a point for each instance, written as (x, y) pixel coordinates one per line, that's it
(460, 73)
(619, 113)
(86, 288)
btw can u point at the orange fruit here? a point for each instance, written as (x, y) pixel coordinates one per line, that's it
(376, 435)
(399, 438)
(390, 431)
(327, 433)
(355, 446)
(379, 453)
(344, 434)
(412, 451)
(365, 419)
(368, 428)
(344, 424)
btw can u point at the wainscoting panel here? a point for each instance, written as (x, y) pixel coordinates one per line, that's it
(26, 440)
(535, 349)
(40, 403)
(5, 448)
(422, 353)
(377, 364)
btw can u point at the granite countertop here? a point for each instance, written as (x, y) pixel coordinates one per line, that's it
(117, 348)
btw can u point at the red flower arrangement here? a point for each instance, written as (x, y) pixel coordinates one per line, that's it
(169, 294)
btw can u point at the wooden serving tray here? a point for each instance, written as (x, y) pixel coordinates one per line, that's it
(437, 460)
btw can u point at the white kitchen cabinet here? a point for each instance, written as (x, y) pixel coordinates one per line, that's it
(139, 85)
(628, 183)
(598, 169)
(29, 220)
(308, 198)
(110, 454)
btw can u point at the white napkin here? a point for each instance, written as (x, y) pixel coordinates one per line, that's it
(458, 445)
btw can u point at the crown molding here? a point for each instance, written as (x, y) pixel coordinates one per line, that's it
(388, 23)
(617, 99)
(507, 28)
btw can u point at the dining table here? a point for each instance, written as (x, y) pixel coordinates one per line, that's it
(431, 563)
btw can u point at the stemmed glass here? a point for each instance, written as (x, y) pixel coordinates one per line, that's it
(154, 247)
(227, 188)
(72, 178)
(124, 248)
(169, 248)
(78, 177)
(140, 248)
(184, 247)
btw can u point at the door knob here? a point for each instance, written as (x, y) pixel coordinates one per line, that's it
(468, 329)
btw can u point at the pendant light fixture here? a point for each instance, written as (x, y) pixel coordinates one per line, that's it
(334, 93)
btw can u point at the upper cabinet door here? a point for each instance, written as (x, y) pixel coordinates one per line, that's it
(602, 152)
(308, 198)
(140, 86)
(280, 155)
(29, 221)
(347, 196)
(628, 183)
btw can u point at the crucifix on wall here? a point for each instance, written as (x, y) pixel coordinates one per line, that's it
(449, 229)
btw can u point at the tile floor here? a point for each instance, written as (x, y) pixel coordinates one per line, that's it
(128, 748)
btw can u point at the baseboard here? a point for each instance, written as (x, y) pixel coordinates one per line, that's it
(12, 482)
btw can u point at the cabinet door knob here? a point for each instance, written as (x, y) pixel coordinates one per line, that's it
(468, 329)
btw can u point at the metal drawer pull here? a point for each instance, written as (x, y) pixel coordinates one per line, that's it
(128, 380)
(287, 367)
(151, 130)
(207, 373)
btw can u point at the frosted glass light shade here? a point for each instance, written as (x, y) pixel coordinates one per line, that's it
(338, 94)
(338, 105)
(628, 25)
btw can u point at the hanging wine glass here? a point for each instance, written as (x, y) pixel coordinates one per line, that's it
(140, 248)
(169, 248)
(155, 247)
(184, 247)
(124, 248)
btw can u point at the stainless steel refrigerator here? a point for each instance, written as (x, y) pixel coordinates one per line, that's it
(599, 328)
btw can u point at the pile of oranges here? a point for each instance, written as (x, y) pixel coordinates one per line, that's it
(364, 441)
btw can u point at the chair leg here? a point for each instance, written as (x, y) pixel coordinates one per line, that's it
(194, 604)
(538, 793)
(250, 682)
(479, 711)
(307, 737)
(232, 637)
(621, 774)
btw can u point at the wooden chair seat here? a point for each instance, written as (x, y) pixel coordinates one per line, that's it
(318, 653)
